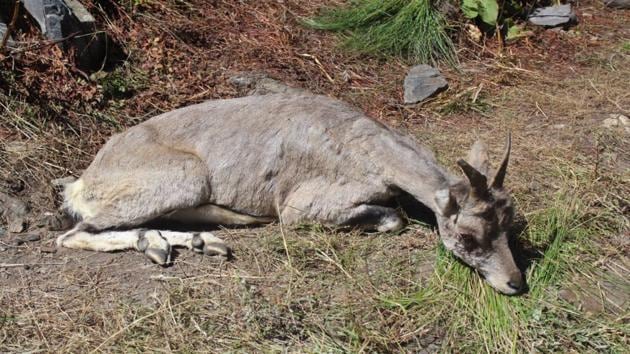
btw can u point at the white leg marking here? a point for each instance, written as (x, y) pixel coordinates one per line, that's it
(156, 245)
(200, 242)
(102, 242)
(178, 238)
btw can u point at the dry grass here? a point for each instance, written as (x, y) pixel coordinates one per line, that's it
(309, 289)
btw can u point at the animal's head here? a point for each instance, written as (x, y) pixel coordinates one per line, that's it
(474, 218)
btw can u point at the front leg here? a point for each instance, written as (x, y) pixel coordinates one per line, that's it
(150, 242)
(200, 242)
(372, 218)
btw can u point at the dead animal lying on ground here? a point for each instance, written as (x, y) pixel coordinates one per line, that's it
(293, 157)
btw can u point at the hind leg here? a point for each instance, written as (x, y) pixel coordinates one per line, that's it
(156, 245)
(150, 242)
(124, 191)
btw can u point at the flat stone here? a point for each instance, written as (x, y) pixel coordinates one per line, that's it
(56, 221)
(14, 211)
(618, 4)
(36, 9)
(49, 15)
(27, 238)
(3, 30)
(59, 19)
(623, 120)
(422, 82)
(553, 16)
(46, 249)
(617, 121)
(80, 12)
(17, 225)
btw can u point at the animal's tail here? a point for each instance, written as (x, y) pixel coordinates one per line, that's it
(74, 201)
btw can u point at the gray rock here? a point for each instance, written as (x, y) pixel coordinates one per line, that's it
(618, 4)
(56, 221)
(14, 211)
(617, 121)
(17, 225)
(422, 82)
(3, 30)
(80, 13)
(3, 231)
(59, 19)
(27, 238)
(553, 16)
(49, 14)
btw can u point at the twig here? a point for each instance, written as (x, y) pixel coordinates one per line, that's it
(162, 277)
(17, 265)
(16, 11)
(541, 111)
(284, 242)
(47, 43)
(319, 64)
(476, 94)
(286, 250)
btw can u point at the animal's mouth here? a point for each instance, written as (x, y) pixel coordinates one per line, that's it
(505, 287)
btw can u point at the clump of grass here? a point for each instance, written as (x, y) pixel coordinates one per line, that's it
(122, 83)
(477, 318)
(410, 28)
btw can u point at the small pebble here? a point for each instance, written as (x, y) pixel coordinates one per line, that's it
(46, 249)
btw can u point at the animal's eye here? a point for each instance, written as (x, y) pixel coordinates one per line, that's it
(468, 241)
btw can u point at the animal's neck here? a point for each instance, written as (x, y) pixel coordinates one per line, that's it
(422, 180)
(414, 169)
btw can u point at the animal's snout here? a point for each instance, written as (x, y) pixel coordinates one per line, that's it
(509, 283)
(516, 281)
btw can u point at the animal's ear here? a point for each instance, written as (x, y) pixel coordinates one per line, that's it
(497, 181)
(478, 157)
(446, 202)
(478, 181)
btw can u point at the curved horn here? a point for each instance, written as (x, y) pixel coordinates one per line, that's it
(497, 181)
(478, 182)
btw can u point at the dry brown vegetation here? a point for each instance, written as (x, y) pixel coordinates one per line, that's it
(310, 289)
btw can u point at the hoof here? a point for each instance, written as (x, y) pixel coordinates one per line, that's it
(217, 249)
(155, 247)
(390, 224)
(158, 256)
(210, 245)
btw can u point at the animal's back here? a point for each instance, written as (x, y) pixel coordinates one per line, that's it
(256, 148)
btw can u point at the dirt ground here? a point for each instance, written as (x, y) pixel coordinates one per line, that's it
(304, 288)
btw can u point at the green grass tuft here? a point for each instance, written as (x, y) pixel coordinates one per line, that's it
(409, 28)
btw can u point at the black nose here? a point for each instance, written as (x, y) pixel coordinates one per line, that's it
(516, 284)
